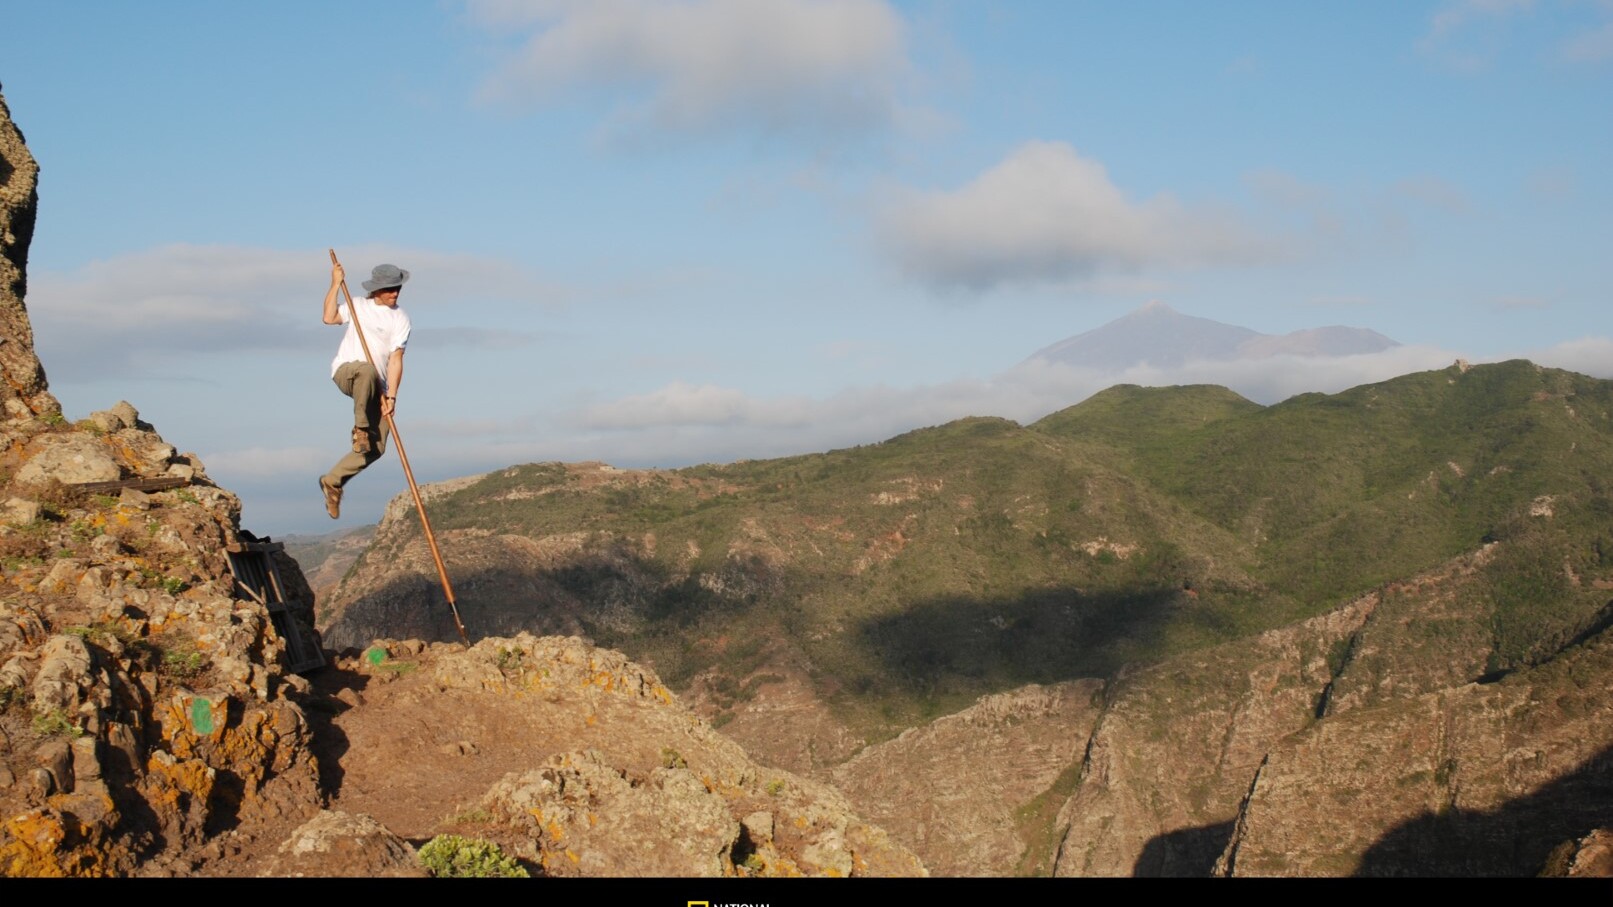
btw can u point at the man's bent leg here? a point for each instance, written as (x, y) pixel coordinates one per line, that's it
(353, 463)
(360, 381)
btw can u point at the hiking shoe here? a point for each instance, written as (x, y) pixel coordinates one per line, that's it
(361, 441)
(333, 498)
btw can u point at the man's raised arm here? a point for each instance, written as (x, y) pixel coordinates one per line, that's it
(333, 314)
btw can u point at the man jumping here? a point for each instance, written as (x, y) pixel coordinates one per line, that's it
(386, 328)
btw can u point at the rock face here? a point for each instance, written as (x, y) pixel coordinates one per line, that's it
(1341, 746)
(1478, 780)
(23, 392)
(957, 790)
(1177, 744)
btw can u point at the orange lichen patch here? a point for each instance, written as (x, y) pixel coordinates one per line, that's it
(43, 843)
(555, 830)
(36, 838)
(169, 784)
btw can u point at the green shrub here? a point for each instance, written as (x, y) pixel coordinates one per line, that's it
(454, 857)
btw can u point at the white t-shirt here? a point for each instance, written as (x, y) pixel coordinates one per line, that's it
(385, 327)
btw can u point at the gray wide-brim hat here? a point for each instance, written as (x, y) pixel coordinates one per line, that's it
(385, 277)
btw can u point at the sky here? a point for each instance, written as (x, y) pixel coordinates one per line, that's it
(656, 233)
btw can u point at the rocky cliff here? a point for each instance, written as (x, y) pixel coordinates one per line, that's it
(23, 393)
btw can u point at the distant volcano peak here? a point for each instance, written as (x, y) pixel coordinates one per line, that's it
(1159, 336)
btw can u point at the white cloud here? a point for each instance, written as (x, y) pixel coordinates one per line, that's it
(1588, 355)
(269, 462)
(155, 309)
(1453, 16)
(686, 404)
(1591, 46)
(1433, 192)
(1046, 213)
(780, 66)
(1465, 36)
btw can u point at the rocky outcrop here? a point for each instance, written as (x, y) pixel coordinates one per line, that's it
(334, 844)
(1359, 742)
(962, 791)
(1588, 857)
(153, 703)
(1478, 780)
(1174, 750)
(587, 766)
(23, 391)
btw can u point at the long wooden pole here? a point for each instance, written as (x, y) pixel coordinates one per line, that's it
(403, 458)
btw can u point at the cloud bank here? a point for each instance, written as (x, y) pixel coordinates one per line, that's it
(154, 310)
(779, 66)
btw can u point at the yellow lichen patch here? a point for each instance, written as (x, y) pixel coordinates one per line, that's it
(45, 844)
(555, 830)
(32, 851)
(170, 783)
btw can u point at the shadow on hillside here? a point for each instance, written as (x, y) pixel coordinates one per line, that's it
(329, 743)
(1045, 636)
(595, 593)
(1189, 853)
(1512, 841)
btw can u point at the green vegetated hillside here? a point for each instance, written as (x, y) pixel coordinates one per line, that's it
(922, 572)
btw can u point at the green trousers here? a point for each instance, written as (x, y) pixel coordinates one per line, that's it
(360, 381)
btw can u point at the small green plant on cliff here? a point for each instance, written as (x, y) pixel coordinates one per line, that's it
(173, 585)
(54, 723)
(454, 857)
(181, 660)
(510, 660)
(671, 758)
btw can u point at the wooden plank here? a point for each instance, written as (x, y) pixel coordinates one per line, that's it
(238, 547)
(160, 483)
